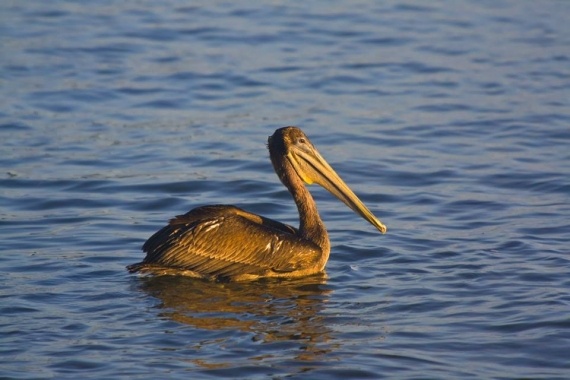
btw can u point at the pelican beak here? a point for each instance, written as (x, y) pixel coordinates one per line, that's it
(312, 168)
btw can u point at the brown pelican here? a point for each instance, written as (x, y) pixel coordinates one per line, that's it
(227, 243)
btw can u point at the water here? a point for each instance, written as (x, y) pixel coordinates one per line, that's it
(449, 119)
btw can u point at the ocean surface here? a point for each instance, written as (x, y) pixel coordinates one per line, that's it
(450, 119)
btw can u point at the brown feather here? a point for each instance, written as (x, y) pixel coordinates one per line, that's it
(204, 241)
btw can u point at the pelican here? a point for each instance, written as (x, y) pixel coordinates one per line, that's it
(223, 242)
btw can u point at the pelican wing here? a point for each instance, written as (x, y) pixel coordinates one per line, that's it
(225, 241)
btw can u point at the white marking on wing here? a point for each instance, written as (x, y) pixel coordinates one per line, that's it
(210, 225)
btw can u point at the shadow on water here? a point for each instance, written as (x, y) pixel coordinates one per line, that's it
(274, 311)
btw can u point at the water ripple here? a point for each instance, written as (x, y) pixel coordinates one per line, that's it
(449, 121)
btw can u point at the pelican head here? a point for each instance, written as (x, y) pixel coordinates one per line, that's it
(291, 144)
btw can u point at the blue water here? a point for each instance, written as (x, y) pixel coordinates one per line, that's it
(451, 120)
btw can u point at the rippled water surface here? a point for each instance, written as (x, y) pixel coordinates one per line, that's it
(451, 120)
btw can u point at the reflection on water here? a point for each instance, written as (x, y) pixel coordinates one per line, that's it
(273, 310)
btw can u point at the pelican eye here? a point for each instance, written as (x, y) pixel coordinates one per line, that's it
(301, 141)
